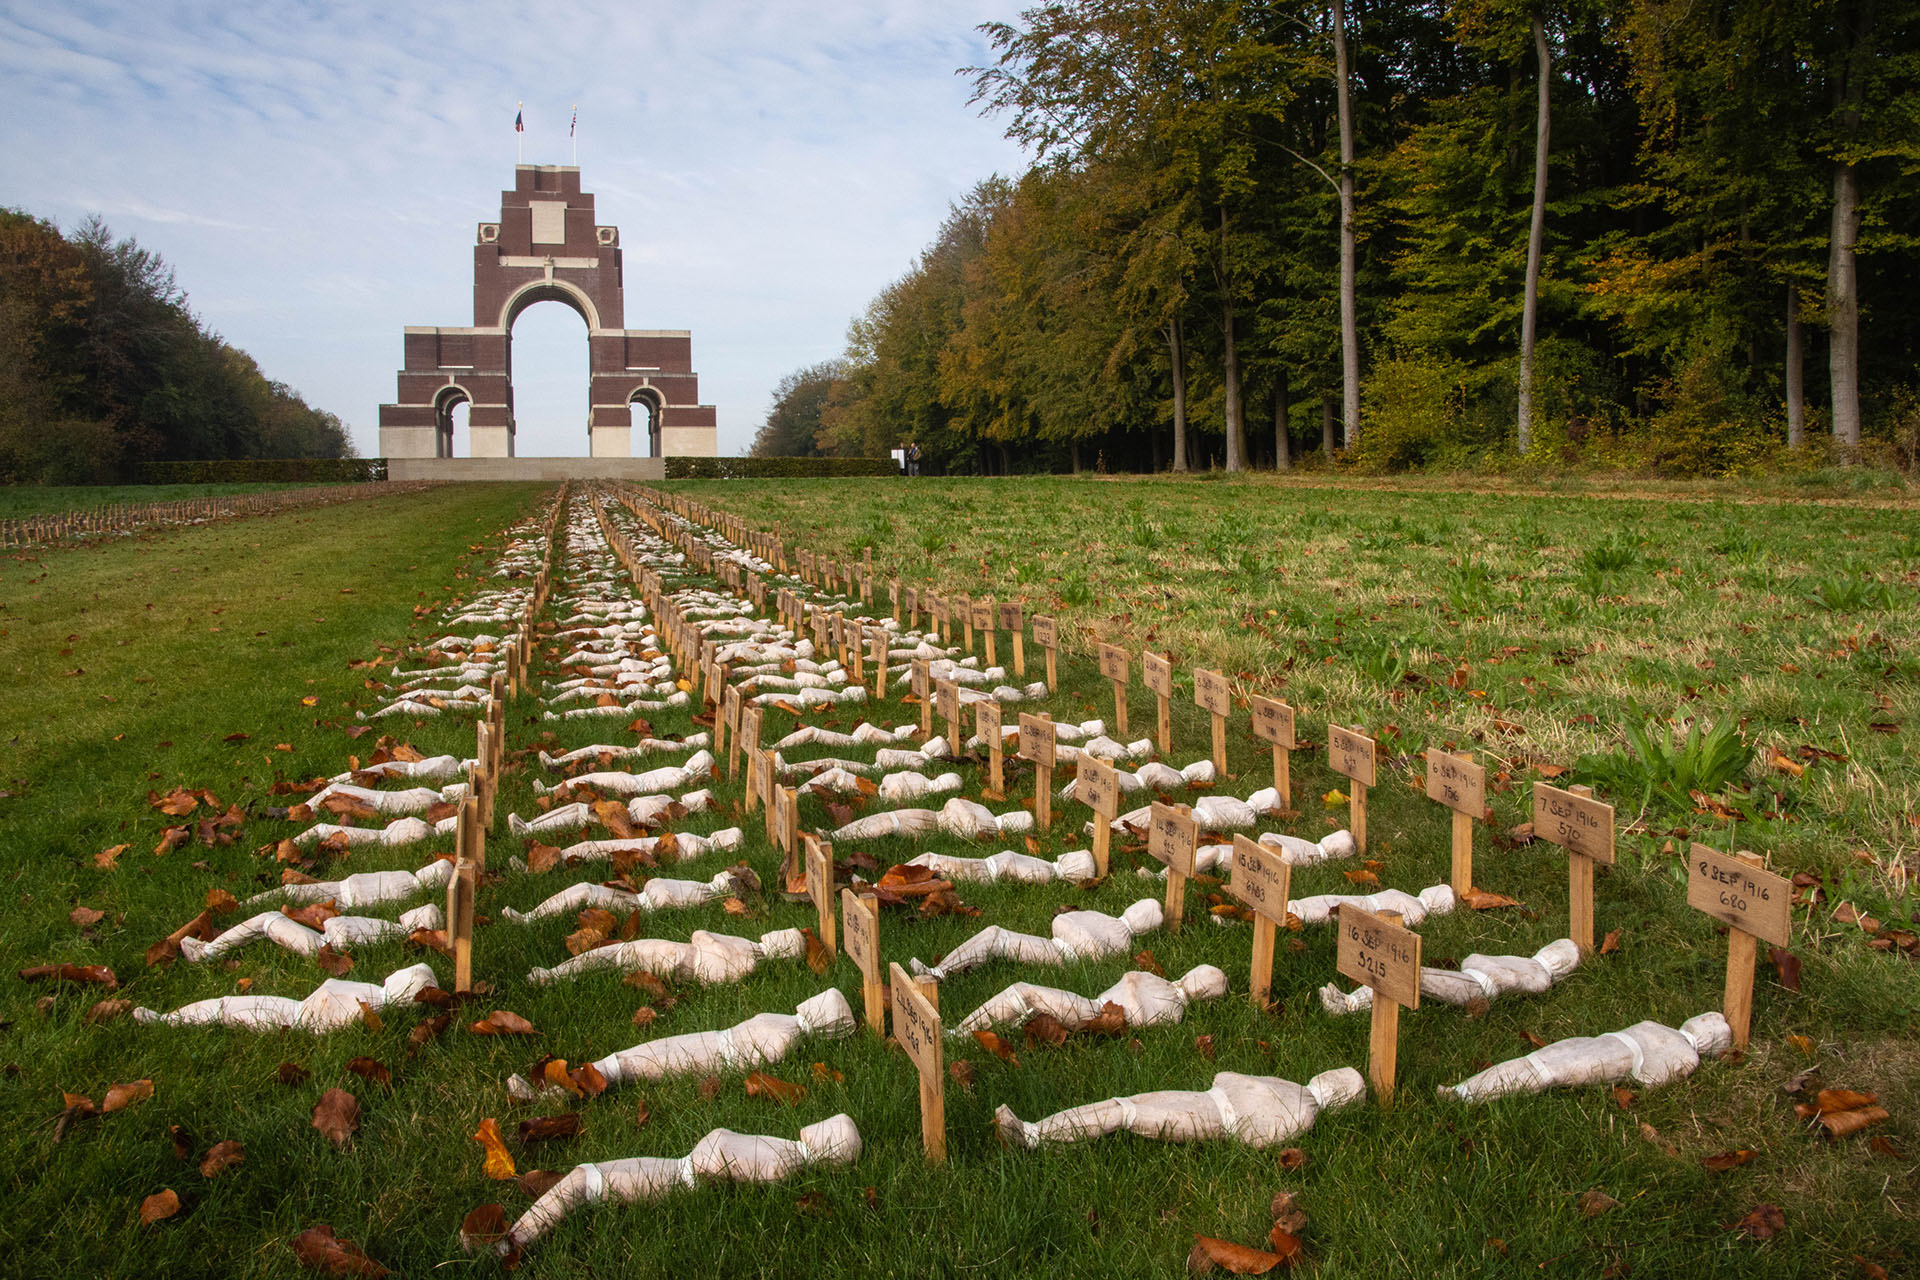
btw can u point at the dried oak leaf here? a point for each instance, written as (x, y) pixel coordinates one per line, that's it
(159, 1205)
(1722, 1161)
(1145, 960)
(499, 1161)
(95, 974)
(993, 1044)
(964, 1073)
(1787, 966)
(1287, 1214)
(1610, 943)
(371, 1070)
(122, 1096)
(502, 1022)
(1481, 900)
(292, 1073)
(819, 958)
(320, 1250)
(337, 1116)
(537, 1182)
(1762, 1222)
(109, 859)
(547, 1128)
(331, 962)
(1592, 1203)
(481, 1228)
(762, 1085)
(1044, 1028)
(84, 916)
(222, 1156)
(106, 1010)
(1209, 1252)
(1292, 1158)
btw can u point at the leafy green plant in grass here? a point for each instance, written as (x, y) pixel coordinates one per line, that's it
(1469, 585)
(1736, 543)
(1848, 593)
(931, 541)
(1076, 593)
(1382, 661)
(1615, 555)
(1654, 768)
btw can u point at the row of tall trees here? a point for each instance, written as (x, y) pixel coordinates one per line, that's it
(1418, 232)
(102, 362)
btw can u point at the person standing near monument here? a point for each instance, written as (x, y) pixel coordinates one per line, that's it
(913, 457)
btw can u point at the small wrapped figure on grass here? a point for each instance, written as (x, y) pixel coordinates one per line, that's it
(1258, 1111)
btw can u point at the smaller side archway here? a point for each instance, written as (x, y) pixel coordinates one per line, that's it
(449, 399)
(646, 407)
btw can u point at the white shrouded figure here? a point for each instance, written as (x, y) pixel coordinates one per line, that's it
(682, 846)
(1008, 865)
(657, 894)
(363, 888)
(1147, 1000)
(704, 957)
(1217, 859)
(721, 1156)
(431, 769)
(335, 1003)
(399, 832)
(1646, 1051)
(338, 932)
(1255, 1110)
(411, 800)
(698, 768)
(760, 1041)
(642, 811)
(1478, 978)
(1434, 900)
(1077, 935)
(634, 751)
(960, 817)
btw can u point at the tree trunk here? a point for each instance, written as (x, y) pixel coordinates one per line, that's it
(1328, 440)
(1006, 460)
(1158, 458)
(1796, 374)
(1349, 316)
(1236, 417)
(1177, 353)
(1843, 307)
(1282, 447)
(1530, 310)
(1076, 457)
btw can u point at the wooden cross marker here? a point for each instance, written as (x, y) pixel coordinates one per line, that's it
(879, 640)
(822, 642)
(946, 698)
(1755, 904)
(986, 719)
(963, 609)
(922, 689)
(726, 723)
(1046, 634)
(1156, 672)
(820, 887)
(839, 629)
(940, 618)
(1351, 755)
(893, 597)
(1211, 694)
(759, 770)
(984, 617)
(461, 891)
(1377, 952)
(747, 741)
(1262, 878)
(786, 834)
(1273, 723)
(1097, 786)
(1037, 745)
(478, 776)
(1011, 622)
(1461, 785)
(860, 921)
(916, 1025)
(1113, 667)
(1173, 838)
(853, 644)
(910, 600)
(1582, 826)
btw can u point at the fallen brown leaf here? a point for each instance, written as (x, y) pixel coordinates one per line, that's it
(371, 1070)
(1292, 1158)
(319, 1249)
(1237, 1258)
(159, 1205)
(1593, 1203)
(1762, 1222)
(548, 1128)
(1721, 1162)
(337, 1116)
(1611, 943)
(1287, 1214)
(481, 1228)
(537, 1182)
(222, 1156)
(121, 1096)
(502, 1022)
(499, 1161)
(762, 1085)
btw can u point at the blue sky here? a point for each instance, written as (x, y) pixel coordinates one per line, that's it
(314, 171)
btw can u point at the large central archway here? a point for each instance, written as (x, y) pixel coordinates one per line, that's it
(547, 247)
(549, 358)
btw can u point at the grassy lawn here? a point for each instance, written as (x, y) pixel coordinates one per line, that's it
(18, 500)
(1360, 605)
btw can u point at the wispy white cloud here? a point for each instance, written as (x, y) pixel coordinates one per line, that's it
(314, 172)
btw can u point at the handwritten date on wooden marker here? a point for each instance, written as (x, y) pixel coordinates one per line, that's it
(1579, 824)
(1458, 784)
(1113, 663)
(1010, 619)
(1272, 721)
(987, 722)
(1210, 692)
(1750, 899)
(946, 704)
(1097, 786)
(1036, 740)
(1157, 672)
(982, 615)
(1350, 754)
(862, 930)
(1261, 878)
(1381, 955)
(1172, 837)
(1046, 632)
(916, 1024)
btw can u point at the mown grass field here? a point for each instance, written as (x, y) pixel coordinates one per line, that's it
(1333, 596)
(18, 500)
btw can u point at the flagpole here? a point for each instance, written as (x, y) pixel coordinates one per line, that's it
(519, 136)
(573, 140)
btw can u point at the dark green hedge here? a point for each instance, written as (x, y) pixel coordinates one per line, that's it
(776, 468)
(258, 471)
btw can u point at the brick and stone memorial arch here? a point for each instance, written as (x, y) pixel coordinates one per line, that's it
(643, 400)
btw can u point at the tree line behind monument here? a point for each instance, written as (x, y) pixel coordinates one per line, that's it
(102, 365)
(1706, 209)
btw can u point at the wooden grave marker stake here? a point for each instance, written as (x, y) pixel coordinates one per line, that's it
(1351, 754)
(879, 639)
(1461, 785)
(963, 609)
(912, 604)
(947, 705)
(916, 1025)
(1156, 672)
(1097, 786)
(984, 618)
(1012, 623)
(853, 643)
(860, 922)
(939, 618)
(786, 810)
(820, 888)
(1037, 745)
(1261, 878)
(893, 597)
(1273, 723)
(730, 714)
(1755, 904)
(1173, 838)
(1377, 952)
(1114, 667)
(922, 689)
(759, 789)
(1583, 826)
(986, 719)
(723, 695)
(460, 894)
(1046, 634)
(1212, 695)
(748, 740)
